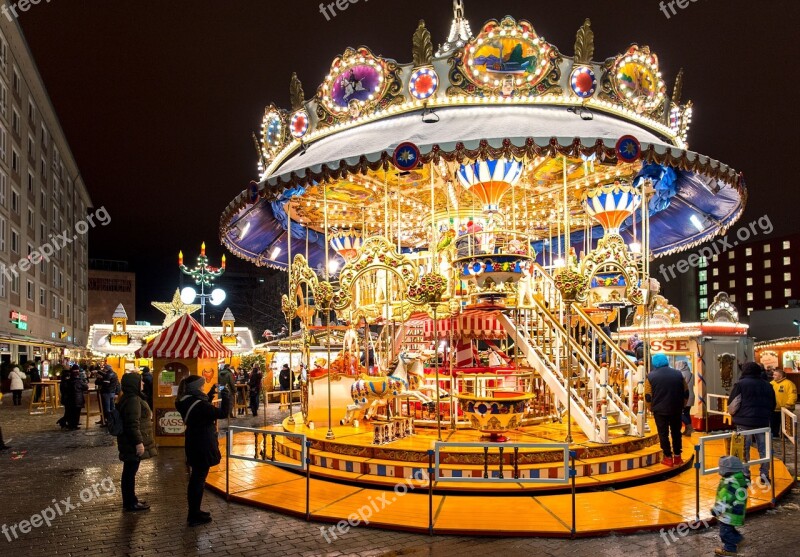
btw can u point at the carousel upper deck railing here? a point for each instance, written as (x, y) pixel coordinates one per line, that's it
(496, 243)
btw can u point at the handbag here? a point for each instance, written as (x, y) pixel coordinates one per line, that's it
(733, 407)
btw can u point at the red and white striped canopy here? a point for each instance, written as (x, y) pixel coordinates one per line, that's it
(471, 324)
(185, 338)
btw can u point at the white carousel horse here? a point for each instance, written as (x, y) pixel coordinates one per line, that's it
(350, 341)
(404, 381)
(525, 286)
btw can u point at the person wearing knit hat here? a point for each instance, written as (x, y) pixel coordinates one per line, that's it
(201, 445)
(666, 394)
(731, 502)
(755, 410)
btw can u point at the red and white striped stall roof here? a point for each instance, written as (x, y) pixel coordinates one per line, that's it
(185, 338)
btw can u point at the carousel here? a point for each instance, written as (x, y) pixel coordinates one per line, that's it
(475, 221)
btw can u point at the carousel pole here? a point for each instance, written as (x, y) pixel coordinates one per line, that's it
(567, 306)
(329, 435)
(290, 317)
(434, 305)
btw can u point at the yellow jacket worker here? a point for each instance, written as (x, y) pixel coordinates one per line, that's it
(785, 397)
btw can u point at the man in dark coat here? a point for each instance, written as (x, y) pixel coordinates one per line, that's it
(666, 393)
(254, 383)
(147, 385)
(227, 380)
(108, 384)
(136, 442)
(201, 443)
(755, 411)
(72, 398)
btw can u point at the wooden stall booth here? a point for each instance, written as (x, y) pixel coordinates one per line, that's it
(713, 349)
(184, 348)
(782, 353)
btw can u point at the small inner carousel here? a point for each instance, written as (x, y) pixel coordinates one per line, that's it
(476, 221)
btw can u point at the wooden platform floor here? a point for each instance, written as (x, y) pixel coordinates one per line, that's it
(654, 505)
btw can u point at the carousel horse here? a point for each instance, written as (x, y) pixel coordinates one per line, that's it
(405, 381)
(350, 341)
(525, 286)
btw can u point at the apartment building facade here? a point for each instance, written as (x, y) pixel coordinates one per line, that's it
(43, 296)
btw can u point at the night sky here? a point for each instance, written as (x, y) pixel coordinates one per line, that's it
(158, 99)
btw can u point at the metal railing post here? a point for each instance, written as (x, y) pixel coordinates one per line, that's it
(228, 449)
(308, 480)
(772, 467)
(430, 492)
(573, 473)
(697, 465)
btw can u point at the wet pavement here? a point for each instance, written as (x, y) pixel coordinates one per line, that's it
(74, 476)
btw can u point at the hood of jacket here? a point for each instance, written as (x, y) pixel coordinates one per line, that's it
(131, 384)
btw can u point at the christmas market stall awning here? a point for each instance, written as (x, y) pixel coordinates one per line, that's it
(185, 338)
(471, 324)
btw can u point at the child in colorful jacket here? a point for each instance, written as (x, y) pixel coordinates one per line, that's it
(731, 503)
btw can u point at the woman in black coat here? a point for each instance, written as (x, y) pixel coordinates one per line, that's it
(201, 443)
(136, 441)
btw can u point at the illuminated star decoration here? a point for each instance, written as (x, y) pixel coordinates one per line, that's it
(628, 149)
(174, 309)
(406, 156)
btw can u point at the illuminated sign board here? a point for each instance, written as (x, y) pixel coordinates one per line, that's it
(19, 320)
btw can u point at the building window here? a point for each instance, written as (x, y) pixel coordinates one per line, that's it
(749, 311)
(54, 307)
(787, 260)
(703, 262)
(731, 254)
(732, 284)
(733, 298)
(768, 295)
(14, 201)
(42, 297)
(767, 279)
(702, 276)
(749, 281)
(31, 147)
(731, 269)
(31, 110)
(3, 142)
(767, 264)
(14, 241)
(768, 307)
(787, 244)
(766, 248)
(704, 290)
(16, 123)
(3, 187)
(703, 303)
(787, 292)
(787, 277)
(2, 288)
(2, 237)
(30, 290)
(748, 252)
(716, 286)
(31, 219)
(748, 267)
(14, 161)
(703, 316)
(16, 82)
(15, 284)
(749, 296)
(715, 272)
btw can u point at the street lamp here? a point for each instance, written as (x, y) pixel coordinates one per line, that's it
(203, 275)
(796, 323)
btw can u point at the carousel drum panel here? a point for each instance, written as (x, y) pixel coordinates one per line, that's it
(318, 398)
(496, 412)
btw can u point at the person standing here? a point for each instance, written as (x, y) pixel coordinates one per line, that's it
(227, 381)
(254, 383)
(135, 443)
(108, 383)
(666, 393)
(201, 444)
(73, 399)
(686, 417)
(730, 504)
(36, 377)
(756, 405)
(785, 397)
(17, 385)
(285, 381)
(147, 386)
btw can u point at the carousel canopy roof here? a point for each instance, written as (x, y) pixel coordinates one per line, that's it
(503, 93)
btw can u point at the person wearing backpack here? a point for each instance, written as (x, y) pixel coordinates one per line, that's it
(201, 443)
(135, 442)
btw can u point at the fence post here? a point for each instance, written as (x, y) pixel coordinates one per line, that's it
(308, 479)
(572, 474)
(228, 448)
(697, 466)
(768, 435)
(430, 492)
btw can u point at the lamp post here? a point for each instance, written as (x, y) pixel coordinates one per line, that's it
(204, 276)
(796, 323)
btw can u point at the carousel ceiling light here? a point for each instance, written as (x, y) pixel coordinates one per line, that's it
(696, 222)
(276, 251)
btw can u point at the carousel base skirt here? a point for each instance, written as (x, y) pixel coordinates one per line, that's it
(620, 487)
